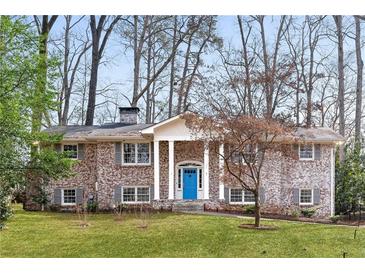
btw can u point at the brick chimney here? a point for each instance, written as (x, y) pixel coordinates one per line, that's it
(128, 115)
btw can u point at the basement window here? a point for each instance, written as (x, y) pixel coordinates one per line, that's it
(240, 196)
(306, 197)
(68, 196)
(136, 194)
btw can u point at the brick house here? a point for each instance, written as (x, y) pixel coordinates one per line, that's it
(157, 164)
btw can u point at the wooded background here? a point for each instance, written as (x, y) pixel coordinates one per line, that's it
(307, 69)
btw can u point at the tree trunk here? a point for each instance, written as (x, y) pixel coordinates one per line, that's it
(183, 78)
(172, 70)
(257, 210)
(93, 83)
(65, 90)
(98, 46)
(360, 66)
(148, 93)
(246, 66)
(341, 82)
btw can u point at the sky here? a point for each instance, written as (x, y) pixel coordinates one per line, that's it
(118, 69)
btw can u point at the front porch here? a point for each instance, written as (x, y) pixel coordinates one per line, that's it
(184, 168)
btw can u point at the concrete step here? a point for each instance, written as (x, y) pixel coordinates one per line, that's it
(188, 206)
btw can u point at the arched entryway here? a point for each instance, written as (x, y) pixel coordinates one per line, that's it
(189, 180)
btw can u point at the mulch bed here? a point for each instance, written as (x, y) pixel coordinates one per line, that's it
(343, 221)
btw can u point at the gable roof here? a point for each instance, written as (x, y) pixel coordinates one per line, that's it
(117, 131)
(317, 135)
(106, 131)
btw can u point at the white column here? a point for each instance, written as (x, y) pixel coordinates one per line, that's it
(333, 165)
(171, 170)
(206, 171)
(221, 172)
(156, 168)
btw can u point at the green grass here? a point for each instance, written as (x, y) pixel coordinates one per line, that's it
(45, 234)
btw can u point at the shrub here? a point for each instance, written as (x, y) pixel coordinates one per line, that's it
(92, 206)
(335, 219)
(5, 209)
(249, 209)
(295, 214)
(308, 212)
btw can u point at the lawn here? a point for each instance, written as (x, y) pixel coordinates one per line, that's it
(45, 234)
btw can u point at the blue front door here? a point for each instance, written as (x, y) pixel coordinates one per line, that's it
(190, 184)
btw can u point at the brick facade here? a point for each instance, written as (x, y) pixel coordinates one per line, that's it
(280, 176)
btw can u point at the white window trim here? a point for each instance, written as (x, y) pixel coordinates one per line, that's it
(136, 153)
(243, 198)
(179, 169)
(77, 150)
(306, 159)
(200, 170)
(300, 194)
(194, 164)
(62, 197)
(135, 195)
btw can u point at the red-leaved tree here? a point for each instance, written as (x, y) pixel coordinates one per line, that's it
(247, 140)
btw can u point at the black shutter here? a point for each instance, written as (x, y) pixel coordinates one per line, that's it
(296, 196)
(58, 148)
(118, 153)
(295, 150)
(117, 194)
(81, 151)
(79, 196)
(152, 193)
(226, 194)
(152, 153)
(317, 152)
(316, 196)
(57, 196)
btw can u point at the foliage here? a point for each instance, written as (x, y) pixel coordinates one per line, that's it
(350, 180)
(19, 70)
(92, 206)
(5, 209)
(247, 140)
(295, 213)
(42, 196)
(335, 219)
(308, 212)
(249, 209)
(49, 234)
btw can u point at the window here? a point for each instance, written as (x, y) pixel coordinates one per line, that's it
(129, 152)
(306, 197)
(143, 153)
(200, 182)
(136, 194)
(68, 196)
(248, 154)
(71, 151)
(306, 152)
(236, 157)
(239, 196)
(136, 153)
(143, 194)
(129, 194)
(248, 197)
(236, 195)
(179, 179)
